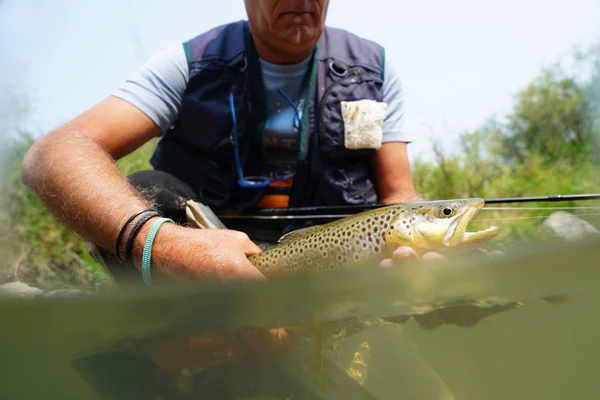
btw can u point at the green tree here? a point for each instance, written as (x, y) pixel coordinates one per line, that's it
(545, 146)
(555, 116)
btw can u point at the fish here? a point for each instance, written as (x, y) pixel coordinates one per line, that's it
(372, 236)
(368, 238)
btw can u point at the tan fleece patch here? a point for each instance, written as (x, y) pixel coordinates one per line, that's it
(363, 122)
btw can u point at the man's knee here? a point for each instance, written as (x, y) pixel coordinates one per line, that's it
(164, 192)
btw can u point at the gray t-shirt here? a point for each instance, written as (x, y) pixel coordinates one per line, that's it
(157, 88)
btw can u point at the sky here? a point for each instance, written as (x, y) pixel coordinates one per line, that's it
(460, 61)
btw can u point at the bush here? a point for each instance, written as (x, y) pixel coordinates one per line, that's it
(37, 248)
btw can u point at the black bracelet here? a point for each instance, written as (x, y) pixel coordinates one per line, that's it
(124, 227)
(134, 231)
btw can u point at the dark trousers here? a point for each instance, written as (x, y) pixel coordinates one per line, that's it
(166, 193)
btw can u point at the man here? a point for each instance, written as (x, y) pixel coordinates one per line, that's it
(189, 87)
(277, 96)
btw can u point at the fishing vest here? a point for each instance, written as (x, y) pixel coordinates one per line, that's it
(199, 149)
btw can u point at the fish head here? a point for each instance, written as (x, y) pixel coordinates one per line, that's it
(439, 225)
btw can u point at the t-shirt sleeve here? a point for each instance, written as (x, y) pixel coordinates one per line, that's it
(393, 125)
(157, 86)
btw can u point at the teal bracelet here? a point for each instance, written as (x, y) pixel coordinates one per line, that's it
(147, 253)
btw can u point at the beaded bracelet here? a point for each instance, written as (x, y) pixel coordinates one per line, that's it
(147, 252)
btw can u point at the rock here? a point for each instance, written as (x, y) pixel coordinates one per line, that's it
(19, 289)
(569, 227)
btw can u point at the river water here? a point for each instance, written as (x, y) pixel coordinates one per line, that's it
(539, 342)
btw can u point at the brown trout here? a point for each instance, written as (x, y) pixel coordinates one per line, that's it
(372, 236)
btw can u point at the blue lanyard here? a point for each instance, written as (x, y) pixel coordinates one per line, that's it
(255, 181)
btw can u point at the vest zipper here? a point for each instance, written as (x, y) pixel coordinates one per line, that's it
(304, 120)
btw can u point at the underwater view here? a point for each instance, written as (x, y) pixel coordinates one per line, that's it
(521, 326)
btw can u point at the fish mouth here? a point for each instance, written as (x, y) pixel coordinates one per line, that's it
(457, 234)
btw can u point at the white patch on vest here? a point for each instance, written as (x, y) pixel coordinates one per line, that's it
(363, 122)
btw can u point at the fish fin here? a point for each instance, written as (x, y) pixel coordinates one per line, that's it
(317, 343)
(317, 346)
(295, 234)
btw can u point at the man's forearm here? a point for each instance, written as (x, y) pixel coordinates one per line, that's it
(80, 183)
(393, 177)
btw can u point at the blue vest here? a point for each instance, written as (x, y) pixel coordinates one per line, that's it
(223, 61)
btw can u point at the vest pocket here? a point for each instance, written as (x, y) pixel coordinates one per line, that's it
(341, 107)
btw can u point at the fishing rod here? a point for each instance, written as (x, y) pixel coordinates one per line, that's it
(342, 211)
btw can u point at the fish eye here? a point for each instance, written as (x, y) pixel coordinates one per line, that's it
(447, 211)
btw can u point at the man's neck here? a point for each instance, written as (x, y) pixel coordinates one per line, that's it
(277, 56)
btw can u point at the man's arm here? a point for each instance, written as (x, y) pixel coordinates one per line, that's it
(72, 170)
(393, 176)
(390, 162)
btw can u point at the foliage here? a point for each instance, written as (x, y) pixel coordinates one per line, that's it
(551, 119)
(36, 247)
(544, 146)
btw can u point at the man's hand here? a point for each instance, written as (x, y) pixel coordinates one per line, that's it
(406, 253)
(187, 253)
(253, 349)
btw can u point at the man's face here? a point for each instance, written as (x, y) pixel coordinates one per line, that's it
(287, 25)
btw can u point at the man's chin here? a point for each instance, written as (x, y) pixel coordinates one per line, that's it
(300, 35)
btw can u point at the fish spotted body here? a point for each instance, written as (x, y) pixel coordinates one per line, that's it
(372, 236)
